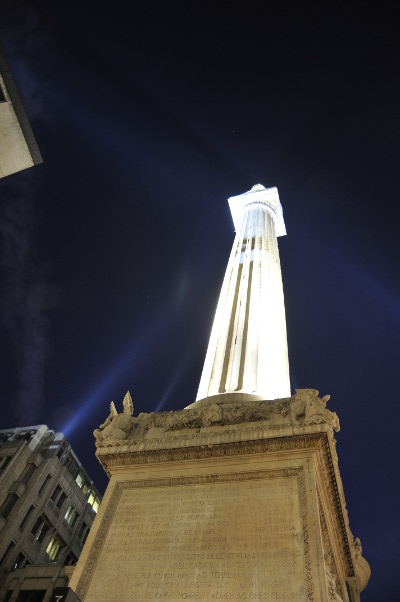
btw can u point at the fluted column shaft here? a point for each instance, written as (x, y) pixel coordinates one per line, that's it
(247, 351)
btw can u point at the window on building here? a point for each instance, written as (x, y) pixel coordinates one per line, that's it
(8, 505)
(40, 528)
(31, 595)
(73, 468)
(4, 462)
(80, 479)
(94, 501)
(26, 517)
(44, 484)
(24, 436)
(53, 548)
(82, 529)
(6, 553)
(36, 525)
(70, 560)
(71, 515)
(71, 465)
(61, 500)
(85, 535)
(27, 473)
(55, 493)
(19, 562)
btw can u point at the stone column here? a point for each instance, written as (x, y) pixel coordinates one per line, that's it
(247, 352)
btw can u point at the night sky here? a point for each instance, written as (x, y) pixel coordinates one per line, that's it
(114, 250)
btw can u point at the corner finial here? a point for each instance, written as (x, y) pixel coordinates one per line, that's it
(128, 404)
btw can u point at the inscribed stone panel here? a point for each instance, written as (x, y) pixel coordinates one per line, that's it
(223, 537)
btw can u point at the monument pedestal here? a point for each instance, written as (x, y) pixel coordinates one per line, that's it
(230, 499)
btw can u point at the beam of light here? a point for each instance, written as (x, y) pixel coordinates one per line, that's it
(134, 148)
(181, 288)
(173, 382)
(374, 285)
(131, 358)
(367, 277)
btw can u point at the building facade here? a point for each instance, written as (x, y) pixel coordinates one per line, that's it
(39, 583)
(18, 147)
(47, 500)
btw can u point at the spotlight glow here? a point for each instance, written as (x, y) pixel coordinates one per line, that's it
(172, 383)
(131, 358)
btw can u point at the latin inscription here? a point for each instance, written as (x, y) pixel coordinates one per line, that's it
(236, 540)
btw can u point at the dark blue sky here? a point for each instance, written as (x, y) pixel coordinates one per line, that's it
(114, 250)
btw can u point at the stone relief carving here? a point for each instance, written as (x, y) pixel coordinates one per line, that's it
(332, 588)
(308, 408)
(117, 426)
(357, 548)
(304, 408)
(215, 414)
(340, 491)
(173, 421)
(331, 572)
(362, 568)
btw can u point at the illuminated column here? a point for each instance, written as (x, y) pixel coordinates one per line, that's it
(247, 351)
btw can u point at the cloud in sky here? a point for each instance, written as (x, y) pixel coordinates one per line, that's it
(25, 321)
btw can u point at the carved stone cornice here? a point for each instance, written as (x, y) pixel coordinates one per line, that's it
(332, 573)
(217, 419)
(115, 457)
